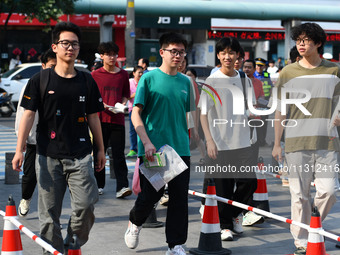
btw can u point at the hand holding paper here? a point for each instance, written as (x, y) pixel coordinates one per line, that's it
(173, 166)
(118, 108)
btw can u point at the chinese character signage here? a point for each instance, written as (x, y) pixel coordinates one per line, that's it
(250, 35)
(259, 36)
(173, 22)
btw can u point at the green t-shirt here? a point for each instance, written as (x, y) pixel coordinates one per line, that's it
(165, 99)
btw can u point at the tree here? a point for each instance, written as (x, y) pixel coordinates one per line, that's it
(43, 10)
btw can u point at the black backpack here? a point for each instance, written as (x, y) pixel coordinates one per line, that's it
(44, 79)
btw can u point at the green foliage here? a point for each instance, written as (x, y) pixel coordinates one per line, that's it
(43, 10)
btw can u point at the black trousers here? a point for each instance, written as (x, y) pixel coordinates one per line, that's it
(245, 187)
(29, 179)
(262, 131)
(114, 137)
(176, 229)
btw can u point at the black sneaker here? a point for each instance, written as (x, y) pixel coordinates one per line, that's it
(300, 251)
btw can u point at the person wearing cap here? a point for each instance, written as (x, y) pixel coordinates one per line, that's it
(263, 76)
(267, 85)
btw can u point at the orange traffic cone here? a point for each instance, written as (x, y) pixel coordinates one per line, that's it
(316, 242)
(74, 248)
(11, 240)
(260, 196)
(210, 237)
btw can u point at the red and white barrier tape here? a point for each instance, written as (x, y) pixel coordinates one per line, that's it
(264, 213)
(31, 235)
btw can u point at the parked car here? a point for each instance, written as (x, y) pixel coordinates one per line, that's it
(203, 71)
(130, 69)
(15, 79)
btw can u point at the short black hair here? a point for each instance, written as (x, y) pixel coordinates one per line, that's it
(108, 47)
(250, 61)
(65, 26)
(312, 31)
(186, 62)
(136, 68)
(145, 61)
(193, 71)
(242, 53)
(228, 42)
(293, 54)
(172, 38)
(47, 55)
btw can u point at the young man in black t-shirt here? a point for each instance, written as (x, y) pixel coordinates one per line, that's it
(67, 107)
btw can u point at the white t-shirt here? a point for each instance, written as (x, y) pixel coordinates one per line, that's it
(230, 131)
(272, 70)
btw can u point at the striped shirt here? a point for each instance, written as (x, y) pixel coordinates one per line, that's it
(315, 131)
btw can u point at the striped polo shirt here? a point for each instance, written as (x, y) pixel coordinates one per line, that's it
(315, 131)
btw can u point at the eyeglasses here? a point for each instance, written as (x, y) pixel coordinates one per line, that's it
(66, 44)
(175, 53)
(304, 40)
(111, 55)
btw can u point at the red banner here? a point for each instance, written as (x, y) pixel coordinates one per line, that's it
(82, 20)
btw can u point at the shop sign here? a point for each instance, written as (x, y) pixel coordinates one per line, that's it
(82, 20)
(173, 22)
(257, 36)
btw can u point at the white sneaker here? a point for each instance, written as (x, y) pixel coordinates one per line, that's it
(132, 235)
(100, 191)
(226, 235)
(24, 207)
(124, 192)
(237, 224)
(251, 218)
(177, 250)
(201, 211)
(164, 200)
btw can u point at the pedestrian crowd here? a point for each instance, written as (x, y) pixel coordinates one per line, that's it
(67, 120)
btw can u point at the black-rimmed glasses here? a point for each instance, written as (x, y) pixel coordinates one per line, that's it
(175, 53)
(304, 40)
(66, 44)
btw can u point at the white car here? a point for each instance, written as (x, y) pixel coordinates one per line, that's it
(130, 69)
(203, 71)
(15, 79)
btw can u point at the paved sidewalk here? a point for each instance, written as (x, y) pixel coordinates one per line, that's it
(107, 235)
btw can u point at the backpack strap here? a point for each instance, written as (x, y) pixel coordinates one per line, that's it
(243, 80)
(44, 79)
(88, 79)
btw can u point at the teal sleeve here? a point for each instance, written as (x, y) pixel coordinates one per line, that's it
(191, 106)
(141, 93)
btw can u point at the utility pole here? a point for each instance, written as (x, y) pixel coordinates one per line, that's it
(105, 22)
(130, 35)
(288, 25)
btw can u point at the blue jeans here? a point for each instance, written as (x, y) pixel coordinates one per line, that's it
(133, 135)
